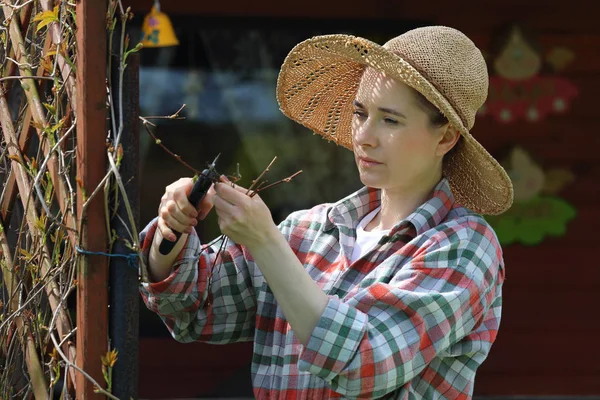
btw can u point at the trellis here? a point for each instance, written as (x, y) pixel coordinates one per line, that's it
(61, 187)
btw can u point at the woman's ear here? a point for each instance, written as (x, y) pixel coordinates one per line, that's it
(448, 136)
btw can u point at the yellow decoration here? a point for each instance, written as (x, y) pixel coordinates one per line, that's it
(560, 57)
(157, 29)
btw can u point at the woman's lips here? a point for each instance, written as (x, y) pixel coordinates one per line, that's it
(368, 162)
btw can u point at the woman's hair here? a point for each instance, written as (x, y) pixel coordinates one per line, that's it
(436, 118)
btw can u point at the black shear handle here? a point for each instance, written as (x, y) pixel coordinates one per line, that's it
(196, 195)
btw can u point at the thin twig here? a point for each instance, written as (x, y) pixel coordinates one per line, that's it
(159, 142)
(98, 388)
(172, 116)
(121, 76)
(7, 78)
(176, 115)
(42, 169)
(163, 117)
(19, 6)
(284, 180)
(110, 97)
(127, 204)
(74, 331)
(212, 268)
(96, 190)
(20, 65)
(261, 185)
(257, 180)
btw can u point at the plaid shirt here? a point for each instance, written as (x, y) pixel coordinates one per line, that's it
(413, 318)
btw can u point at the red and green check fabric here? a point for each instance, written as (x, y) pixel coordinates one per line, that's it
(411, 319)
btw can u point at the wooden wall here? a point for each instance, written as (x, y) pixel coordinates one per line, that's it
(548, 341)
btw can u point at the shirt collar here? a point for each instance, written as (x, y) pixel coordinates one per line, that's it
(350, 210)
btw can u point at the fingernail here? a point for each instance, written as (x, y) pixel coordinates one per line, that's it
(194, 214)
(194, 222)
(172, 238)
(202, 215)
(224, 178)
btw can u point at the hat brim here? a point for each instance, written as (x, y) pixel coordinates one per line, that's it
(319, 80)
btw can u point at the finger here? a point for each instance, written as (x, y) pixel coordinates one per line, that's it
(181, 198)
(223, 207)
(175, 218)
(175, 225)
(165, 231)
(231, 194)
(182, 217)
(233, 185)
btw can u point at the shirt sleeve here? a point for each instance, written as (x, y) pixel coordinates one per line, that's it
(193, 310)
(387, 333)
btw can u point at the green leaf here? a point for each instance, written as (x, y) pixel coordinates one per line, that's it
(49, 190)
(45, 18)
(57, 126)
(530, 222)
(28, 256)
(50, 108)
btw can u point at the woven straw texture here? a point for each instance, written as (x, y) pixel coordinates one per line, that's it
(319, 79)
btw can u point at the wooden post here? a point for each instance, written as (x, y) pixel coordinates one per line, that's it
(92, 289)
(124, 283)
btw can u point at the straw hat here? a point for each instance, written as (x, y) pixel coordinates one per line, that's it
(320, 76)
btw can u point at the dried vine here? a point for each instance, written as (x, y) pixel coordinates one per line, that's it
(39, 230)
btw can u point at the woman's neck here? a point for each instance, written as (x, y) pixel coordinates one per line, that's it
(399, 203)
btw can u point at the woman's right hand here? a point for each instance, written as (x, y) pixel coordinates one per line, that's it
(176, 213)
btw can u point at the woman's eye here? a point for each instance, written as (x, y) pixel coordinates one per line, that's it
(390, 121)
(359, 114)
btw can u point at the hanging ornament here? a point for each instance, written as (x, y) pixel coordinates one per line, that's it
(157, 29)
(518, 88)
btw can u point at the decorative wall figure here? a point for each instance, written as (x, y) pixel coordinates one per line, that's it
(524, 84)
(537, 211)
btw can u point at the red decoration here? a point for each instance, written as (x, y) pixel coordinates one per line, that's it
(532, 99)
(518, 90)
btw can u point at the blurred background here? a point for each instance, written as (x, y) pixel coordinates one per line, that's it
(541, 120)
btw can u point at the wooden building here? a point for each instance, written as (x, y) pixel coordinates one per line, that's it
(548, 341)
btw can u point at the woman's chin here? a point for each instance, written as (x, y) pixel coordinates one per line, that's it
(371, 181)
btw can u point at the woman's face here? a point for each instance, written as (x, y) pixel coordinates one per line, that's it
(395, 146)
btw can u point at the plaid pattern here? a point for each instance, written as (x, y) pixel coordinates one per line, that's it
(413, 318)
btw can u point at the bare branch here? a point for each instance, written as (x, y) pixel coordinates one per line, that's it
(284, 180)
(159, 142)
(257, 180)
(7, 78)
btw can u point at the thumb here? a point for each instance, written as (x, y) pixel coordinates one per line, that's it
(240, 189)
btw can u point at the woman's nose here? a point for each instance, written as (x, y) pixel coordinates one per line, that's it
(364, 133)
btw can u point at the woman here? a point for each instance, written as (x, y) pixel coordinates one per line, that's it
(394, 291)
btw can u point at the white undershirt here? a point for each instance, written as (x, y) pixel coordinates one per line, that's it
(366, 240)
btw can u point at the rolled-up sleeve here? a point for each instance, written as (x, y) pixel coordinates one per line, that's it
(377, 340)
(222, 312)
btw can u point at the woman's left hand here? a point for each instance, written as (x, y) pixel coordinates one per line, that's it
(246, 220)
